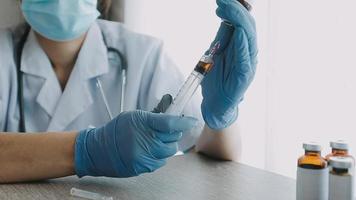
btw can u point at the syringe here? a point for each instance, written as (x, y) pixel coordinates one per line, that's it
(192, 83)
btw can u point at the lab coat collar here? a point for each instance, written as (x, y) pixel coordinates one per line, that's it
(64, 107)
(92, 58)
(92, 62)
(35, 62)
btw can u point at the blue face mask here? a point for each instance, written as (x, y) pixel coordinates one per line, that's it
(60, 20)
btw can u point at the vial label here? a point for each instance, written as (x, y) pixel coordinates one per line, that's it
(312, 184)
(341, 187)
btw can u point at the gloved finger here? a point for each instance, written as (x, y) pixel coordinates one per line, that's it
(237, 15)
(246, 51)
(249, 27)
(241, 54)
(242, 73)
(241, 35)
(246, 4)
(169, 137)
(169, 123)
(148, 164)
(236, 8)
(163, 105)
(163, 150)
(236, 55)
(223, 36)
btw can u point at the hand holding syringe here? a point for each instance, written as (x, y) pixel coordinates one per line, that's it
(194, 80)
(189, 87)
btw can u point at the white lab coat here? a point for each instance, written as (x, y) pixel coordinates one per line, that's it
(150, 75)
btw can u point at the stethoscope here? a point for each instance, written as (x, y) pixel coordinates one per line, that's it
(20, 93)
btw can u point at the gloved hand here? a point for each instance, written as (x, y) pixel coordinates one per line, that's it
(234, 66)
(133, 143)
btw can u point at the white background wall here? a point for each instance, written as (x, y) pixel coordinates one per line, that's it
(312, 77)
(305, 85)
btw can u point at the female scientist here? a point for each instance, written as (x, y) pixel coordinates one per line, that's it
(66, 71)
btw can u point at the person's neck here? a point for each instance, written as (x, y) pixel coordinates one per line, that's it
(62, 55)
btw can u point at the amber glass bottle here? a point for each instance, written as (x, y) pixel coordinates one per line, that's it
(312, 158)
(312, 174)
(341, 178)
(339, 148)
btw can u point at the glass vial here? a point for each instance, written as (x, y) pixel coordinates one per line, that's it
(339, 148)
(341, 178)
(312, 174)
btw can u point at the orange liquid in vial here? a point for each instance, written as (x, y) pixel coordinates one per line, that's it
(203, 67)
(312, 160)
(338, 153)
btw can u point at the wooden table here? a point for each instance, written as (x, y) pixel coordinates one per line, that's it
(184, 177)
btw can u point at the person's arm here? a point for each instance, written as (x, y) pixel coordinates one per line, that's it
(131, 144)
(28, 157)
(224, 144)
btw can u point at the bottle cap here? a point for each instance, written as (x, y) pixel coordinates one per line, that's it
(339, 144)
(341, 162)
(312, 146)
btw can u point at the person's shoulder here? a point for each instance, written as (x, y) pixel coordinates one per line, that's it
(6, 39)
(117, 33)
(7, 46)
(7, 64)
(9, 37)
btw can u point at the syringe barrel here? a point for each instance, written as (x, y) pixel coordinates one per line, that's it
(192, 83)
(205, 64)
(185, 93)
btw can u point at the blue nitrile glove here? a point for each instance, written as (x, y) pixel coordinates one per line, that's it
(131, 144)
(235, 64)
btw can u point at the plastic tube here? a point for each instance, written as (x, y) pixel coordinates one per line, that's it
(88, 195)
